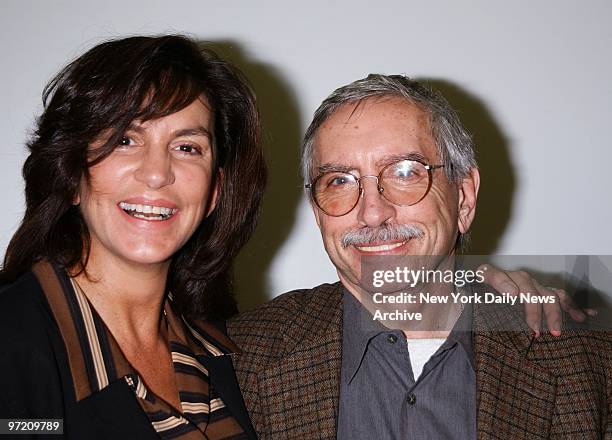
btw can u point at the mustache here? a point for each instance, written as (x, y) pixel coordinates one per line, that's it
(365, 236)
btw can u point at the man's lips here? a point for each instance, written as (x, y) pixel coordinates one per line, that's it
(380, 247)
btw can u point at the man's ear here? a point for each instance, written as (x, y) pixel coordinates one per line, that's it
(468, 193)
(316, 211)
(215, 192)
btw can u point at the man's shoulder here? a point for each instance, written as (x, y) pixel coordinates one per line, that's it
(303, 310)
(501, 327)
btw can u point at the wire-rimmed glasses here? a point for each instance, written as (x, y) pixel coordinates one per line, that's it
(403, 183)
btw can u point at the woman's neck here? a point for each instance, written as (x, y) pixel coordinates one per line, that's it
(128, 297)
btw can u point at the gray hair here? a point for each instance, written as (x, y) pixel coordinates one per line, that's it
(454, 144)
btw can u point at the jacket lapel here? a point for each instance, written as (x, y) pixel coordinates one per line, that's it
(299, 393)
(115, 412)
(226, 385)
(516, 397)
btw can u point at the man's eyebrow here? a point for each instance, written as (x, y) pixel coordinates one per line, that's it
(342, 168)
(333, 166)
(405, 156)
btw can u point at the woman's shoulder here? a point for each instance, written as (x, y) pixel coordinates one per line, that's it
(24, 312)
(29, 375)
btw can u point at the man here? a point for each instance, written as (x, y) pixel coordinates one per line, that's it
(312, 368)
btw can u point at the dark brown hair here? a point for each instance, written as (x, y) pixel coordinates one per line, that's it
(106, 89)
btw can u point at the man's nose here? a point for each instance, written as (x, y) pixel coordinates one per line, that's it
(373, 209)
(155, 168)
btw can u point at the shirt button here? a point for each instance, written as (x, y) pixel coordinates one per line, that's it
(392, 339)
(411, 399)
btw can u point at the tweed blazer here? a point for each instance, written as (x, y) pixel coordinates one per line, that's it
(550, 387)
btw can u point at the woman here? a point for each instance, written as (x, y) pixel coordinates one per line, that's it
(144, 179)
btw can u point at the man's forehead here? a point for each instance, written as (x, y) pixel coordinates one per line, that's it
(377, 130)
(382, 107)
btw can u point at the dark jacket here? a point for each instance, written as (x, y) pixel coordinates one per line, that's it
(550, 387)
(35, 378)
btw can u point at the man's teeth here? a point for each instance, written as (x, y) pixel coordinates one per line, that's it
(380, 247)
(148, 212)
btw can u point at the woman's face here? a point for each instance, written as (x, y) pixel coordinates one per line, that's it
(147, 198)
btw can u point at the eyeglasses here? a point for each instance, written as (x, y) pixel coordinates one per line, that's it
(403, 183)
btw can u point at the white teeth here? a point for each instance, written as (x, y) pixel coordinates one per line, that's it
(379, 248)
(138, 211)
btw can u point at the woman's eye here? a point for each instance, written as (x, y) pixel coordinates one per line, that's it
(188, 149)
(124, 141)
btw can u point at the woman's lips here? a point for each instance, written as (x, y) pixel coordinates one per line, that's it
(148, 210)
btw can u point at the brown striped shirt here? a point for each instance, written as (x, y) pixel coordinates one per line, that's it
(96, 361)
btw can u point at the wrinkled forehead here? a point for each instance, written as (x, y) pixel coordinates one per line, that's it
(372, 130)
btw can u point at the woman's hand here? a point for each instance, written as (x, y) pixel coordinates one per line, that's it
(515, 282)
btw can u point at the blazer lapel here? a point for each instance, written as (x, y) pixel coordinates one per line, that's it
(516, 397)
(225, 383)
(115, 411)
(299, 393)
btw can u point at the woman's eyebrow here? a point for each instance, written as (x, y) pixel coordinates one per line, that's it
(195, 131)
(198, 130)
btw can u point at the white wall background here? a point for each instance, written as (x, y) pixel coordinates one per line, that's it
(532, 80)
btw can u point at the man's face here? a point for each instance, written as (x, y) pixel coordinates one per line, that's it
(363, 140)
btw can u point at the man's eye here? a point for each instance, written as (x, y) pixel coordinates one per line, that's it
(408, 176)
(338, 181)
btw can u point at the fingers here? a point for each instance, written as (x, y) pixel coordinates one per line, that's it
(498, 279)
(570, 307)
(514, 283)
(552, 311)
(533, 311)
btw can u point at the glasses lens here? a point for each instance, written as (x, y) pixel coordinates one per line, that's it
(336, 193)
(405, 182)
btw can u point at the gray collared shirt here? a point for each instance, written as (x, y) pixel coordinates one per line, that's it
(379, 397)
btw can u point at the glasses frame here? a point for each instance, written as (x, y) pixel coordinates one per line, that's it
(381, 190)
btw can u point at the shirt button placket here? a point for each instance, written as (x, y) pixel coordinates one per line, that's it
(411, 399)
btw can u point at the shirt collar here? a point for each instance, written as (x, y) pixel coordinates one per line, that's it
(358, 328)
(202, 337)
(461, 334)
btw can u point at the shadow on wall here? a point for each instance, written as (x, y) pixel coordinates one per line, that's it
(281, 138)
(497, 177)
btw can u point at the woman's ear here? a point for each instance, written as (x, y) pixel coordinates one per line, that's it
(213, 198)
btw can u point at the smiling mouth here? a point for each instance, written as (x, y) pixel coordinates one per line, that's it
(381, 247)
(147, 212)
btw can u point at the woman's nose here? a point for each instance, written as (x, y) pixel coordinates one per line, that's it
(155, 168)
